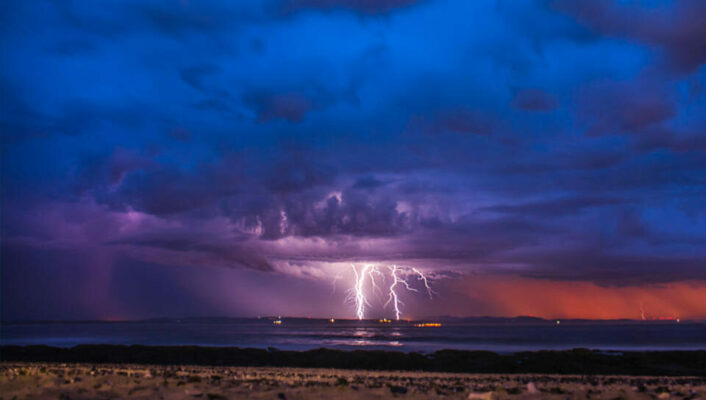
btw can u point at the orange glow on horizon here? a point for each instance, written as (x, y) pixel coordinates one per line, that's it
(580, 299)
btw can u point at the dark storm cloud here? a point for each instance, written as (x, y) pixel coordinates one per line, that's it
(189, 250)
(534, 100)
(20, 121)
(609, 268)
(564, 206)
(194, 76)
(562, 142)
(293, 174)
(692, 140)
(676, 27)
(351, 214)
(612, 107)
(271, 106)
(364, 7)
(160, 190)
(368, 183)
(175, 20)
(460, 120)
(179, 20)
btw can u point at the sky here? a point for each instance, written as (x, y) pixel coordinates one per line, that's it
(213, 158)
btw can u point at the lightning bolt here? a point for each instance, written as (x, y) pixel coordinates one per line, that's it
(371, 273)
(394, 297)
(400, 277)
(359, 295)
(426, 282)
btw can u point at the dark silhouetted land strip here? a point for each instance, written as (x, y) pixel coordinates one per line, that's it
(577, 361)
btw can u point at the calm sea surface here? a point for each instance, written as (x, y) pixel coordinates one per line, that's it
(296, 334)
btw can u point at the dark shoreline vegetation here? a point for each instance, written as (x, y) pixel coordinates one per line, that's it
(576, 361)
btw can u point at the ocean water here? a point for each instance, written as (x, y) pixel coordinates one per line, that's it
(503, 336)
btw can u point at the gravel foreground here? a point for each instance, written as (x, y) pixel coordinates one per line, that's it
(85, 381)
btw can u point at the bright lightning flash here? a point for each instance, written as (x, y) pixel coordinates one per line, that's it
(359, 294)
(426, 282)
(394, 298)
(399, 277)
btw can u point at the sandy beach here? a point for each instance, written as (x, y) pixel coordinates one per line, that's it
(86, 381)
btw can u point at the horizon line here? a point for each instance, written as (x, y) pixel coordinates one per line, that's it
(439, 317)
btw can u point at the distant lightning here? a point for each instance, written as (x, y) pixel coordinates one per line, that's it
(400, 277)
(394, 298)
(426, 282)
(360, 300)
(372, 271)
